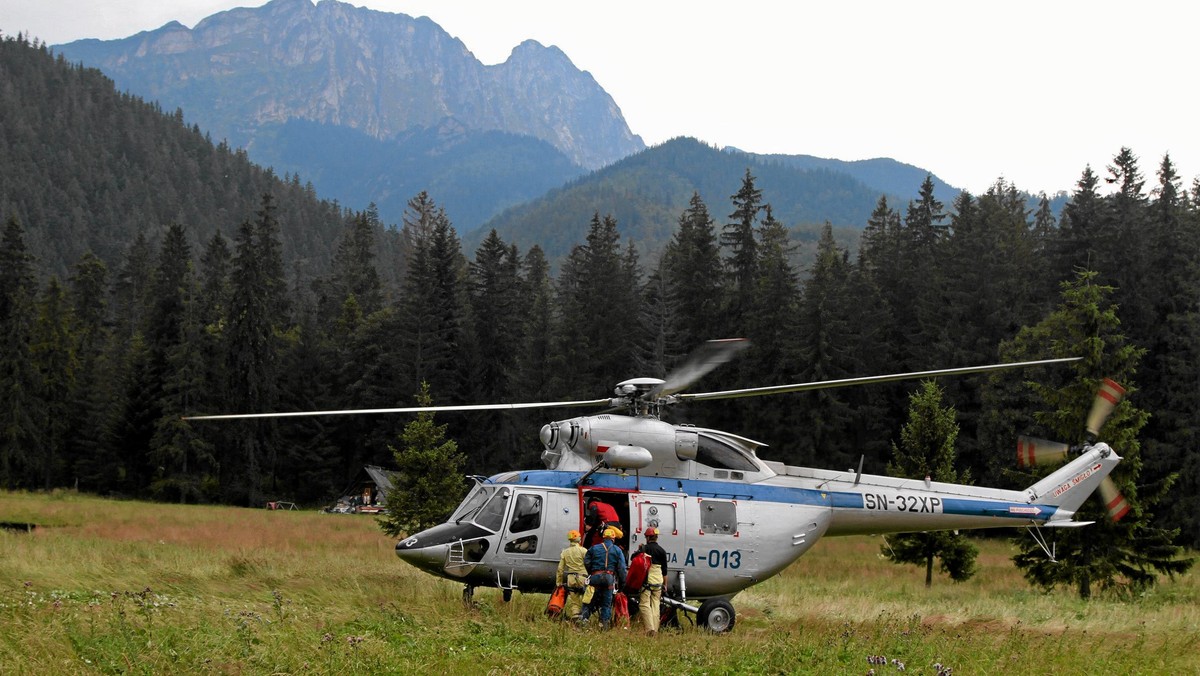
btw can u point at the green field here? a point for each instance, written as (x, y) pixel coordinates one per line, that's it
(120, 586)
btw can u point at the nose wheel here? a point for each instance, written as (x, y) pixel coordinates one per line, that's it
(468, 596)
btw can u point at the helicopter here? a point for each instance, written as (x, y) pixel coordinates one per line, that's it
(727, 518)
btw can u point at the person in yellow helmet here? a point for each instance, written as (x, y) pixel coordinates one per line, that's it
(606, 568)
(573, 574)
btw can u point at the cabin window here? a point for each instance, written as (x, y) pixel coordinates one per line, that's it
(523, 545)
(718, 517)
(527, 515)
(719, 455)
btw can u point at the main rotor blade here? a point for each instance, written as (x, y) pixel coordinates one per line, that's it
(703, 359)
(409, 409)
(868, 380)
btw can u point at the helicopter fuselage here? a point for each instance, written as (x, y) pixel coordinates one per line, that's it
(726, 518)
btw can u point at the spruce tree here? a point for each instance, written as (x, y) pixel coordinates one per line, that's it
(498, 307)
(772, 328)
(741, 264)
(16, 267)
(433, 309)
(1124, 556)
(883, 287)
(93, 395)
(429, 482)
(20, 411)
(1173, 358)
(354, 272)
(54, 355)
(926, 450)
(597, 337)
(691, 276)
(827, 350)
(256, 313)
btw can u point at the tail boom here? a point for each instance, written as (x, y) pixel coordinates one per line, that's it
(870, 504)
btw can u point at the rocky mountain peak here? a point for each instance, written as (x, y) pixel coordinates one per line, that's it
(375, 72)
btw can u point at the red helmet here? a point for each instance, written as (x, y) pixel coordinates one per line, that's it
(651, 532)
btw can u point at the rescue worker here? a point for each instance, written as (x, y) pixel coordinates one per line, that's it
(650, 599)
(605, 564)
(598, 516)
(572, 574)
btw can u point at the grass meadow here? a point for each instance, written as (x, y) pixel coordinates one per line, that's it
(107, 586)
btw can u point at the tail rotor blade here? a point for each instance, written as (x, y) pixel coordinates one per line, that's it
(1114, 502)
(1107, 398)
(1033, 452)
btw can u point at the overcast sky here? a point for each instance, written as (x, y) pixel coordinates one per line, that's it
(1031, 91)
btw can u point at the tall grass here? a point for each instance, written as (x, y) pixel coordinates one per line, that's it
(127, 587)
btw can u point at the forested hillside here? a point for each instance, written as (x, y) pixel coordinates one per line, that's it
(99, 363)
(86, 169)
(476, 174)
(646, 192)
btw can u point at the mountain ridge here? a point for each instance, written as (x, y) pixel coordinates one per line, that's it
(379, 72)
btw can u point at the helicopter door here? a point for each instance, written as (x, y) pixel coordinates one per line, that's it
(524, 535)
(664, 512)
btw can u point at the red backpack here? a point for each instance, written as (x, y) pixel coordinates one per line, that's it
(639, 567)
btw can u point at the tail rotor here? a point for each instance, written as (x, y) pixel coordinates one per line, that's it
(1107, 397)
(1034, 452)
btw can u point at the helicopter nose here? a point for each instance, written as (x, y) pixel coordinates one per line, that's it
(430, 549)
(431, 558)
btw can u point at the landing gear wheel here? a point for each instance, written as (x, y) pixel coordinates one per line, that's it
(716, 615)
(468, 596)
(507, 595)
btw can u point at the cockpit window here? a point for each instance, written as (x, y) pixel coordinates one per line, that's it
(527, 515)
(492, 514)
(472, 503)
(720, 455)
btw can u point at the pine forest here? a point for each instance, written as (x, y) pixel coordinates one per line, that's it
(196, 282)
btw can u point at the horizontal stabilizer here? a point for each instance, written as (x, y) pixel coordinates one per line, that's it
(1066, 524)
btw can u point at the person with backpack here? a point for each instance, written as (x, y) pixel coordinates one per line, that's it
(606, 568)
(573, 575)
(597, 516)
(650, 599)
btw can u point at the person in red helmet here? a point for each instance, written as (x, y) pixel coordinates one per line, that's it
(650, 599)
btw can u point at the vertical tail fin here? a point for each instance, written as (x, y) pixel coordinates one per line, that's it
(1072, 484)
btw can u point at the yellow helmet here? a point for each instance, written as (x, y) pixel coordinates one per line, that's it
(573, 535)
(610, 533)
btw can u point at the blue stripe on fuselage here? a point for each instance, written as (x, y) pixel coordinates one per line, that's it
(761, 492)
